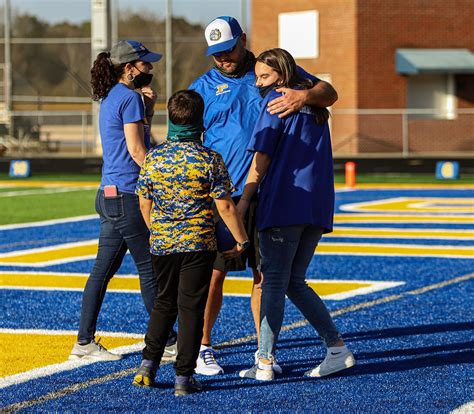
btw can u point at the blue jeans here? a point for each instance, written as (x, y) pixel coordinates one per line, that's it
(121, 228)
(286, 254)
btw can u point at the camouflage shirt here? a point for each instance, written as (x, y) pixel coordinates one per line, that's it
(182, 179)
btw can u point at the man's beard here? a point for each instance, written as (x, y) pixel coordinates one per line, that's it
(238, 69)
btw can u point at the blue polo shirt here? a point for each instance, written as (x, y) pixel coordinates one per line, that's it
(232, 106)
(299, 185)
(121, 106)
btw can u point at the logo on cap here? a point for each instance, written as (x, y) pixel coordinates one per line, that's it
(215, 35)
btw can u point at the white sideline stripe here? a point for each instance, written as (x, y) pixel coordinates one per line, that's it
(120, 374)
(43, 223)
(467, 408)
(22, 193)
(70, 332)
(61, 367)
(51, 262)
(65, 274)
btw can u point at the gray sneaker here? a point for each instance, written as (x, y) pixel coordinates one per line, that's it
(170, 353)
(260, 372)
(171, 348)
(93, 351)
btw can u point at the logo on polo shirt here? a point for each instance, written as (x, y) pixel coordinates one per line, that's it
(222, 88)
(215, 35)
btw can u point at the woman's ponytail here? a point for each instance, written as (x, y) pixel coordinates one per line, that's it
(104, 75)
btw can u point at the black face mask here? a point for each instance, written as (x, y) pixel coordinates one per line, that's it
(142, 79)
(265, 90)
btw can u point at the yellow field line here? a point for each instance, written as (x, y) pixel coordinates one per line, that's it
(52, 253)
(368, 249)
(232, 286)
(401, 233)
(401, 218)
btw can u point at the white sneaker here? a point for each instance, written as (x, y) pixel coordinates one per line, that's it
(206, 363)
(260, 372)
(337, 359)
(92, 351)
(276, 368)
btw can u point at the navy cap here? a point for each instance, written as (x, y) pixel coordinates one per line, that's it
(129, 50)
(222, 34)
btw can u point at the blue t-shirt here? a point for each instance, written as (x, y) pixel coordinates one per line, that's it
(121, 106)
(299, 185)
(232, 106)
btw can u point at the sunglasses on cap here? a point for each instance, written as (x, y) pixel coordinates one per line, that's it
(225, 52)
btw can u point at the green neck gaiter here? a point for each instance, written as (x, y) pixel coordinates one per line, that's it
(185, 133)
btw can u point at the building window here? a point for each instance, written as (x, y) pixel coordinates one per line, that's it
(433, 93)
(298, 33)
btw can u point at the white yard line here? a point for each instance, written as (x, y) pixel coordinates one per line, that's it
(43, 223)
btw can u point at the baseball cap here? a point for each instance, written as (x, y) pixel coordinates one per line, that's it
(129, 50)
(222, 34)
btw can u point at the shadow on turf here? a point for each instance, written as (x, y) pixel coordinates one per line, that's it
(403, 359)
(382, 334)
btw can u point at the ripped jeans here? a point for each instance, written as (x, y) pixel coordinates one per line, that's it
(286, 253)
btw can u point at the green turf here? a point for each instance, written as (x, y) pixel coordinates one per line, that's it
(404, 179)
(24, 209)
(54, 177)
(339, 178)
(27, 208)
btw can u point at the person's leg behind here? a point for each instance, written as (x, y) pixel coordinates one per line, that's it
(314, 309)
(195, 278)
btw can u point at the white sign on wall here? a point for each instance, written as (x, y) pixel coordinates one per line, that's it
(298, 33)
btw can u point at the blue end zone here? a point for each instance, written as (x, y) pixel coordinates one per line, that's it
(414, 353)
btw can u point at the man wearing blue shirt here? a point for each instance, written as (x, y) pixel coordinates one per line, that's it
(232, 105)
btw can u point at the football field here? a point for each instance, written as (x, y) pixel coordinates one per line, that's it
(397, 275)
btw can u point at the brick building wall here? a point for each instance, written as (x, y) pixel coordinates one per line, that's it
(357, 44)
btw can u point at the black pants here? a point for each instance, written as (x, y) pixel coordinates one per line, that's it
(183, 284)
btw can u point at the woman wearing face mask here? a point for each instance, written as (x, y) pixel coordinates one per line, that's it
(124, 122)
(292, 168)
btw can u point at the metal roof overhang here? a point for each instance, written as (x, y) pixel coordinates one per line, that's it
(432, 61)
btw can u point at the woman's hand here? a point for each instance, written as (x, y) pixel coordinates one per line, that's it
(149, 97)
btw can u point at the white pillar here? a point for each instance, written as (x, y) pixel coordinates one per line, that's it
(100, 42)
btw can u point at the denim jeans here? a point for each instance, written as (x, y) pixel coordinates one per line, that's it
(121, 228)
(286, 254)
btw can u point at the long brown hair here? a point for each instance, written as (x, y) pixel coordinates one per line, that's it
(283, 63)
(104, 75)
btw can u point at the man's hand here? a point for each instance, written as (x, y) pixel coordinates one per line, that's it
(149, 98)
(291, 101)
(233, 253)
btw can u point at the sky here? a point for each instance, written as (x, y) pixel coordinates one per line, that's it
(195, 11)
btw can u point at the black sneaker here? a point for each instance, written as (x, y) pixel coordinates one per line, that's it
(189, 387)
(145, 376)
